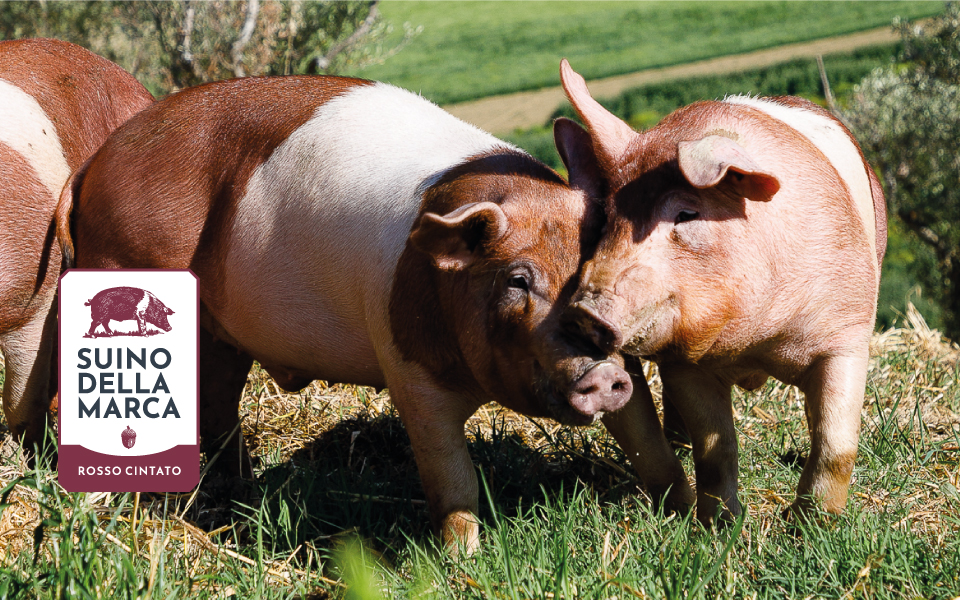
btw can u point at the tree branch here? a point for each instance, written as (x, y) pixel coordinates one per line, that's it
(927, 235)
(292, 27)
(253, 8)
(826, 85)
(828, 94)
(187, 34)
(182, 66)
(325, 61)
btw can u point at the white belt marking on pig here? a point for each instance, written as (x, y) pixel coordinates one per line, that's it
(142, 304)
(330, 212)
(835, 144)
(25, 127)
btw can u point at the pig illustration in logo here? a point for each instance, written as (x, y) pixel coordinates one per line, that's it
(124, 304)
(129, 437)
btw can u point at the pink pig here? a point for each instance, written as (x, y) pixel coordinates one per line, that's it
(744, 240)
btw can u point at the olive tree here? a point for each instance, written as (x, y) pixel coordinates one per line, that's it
(172, 44)
(907, 118)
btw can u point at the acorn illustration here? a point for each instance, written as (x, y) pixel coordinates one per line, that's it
(129, 437)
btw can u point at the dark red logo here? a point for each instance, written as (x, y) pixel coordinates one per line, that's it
(126, 304)
(129, 437)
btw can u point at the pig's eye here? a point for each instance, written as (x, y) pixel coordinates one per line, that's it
(519, 282)
(686, 215)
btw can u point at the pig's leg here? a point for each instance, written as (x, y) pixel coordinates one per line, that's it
(834, 389)
(435, 419)
(28, 356)
(673, 427)
(636, 427)
(704, 403)
(223, 375)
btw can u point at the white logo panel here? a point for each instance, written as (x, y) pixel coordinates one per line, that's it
(128, 360)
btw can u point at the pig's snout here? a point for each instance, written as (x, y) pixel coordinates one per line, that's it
(584, 319)
(605, 387)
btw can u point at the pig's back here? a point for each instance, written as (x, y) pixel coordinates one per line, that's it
(322, 223)
(835, 143)
(176, 170)
(291, 199)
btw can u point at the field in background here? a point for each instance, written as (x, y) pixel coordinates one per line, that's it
(564, 519)
(468, 50)
(643, 107)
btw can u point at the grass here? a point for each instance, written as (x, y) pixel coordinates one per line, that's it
(337, 509)
(469, 50)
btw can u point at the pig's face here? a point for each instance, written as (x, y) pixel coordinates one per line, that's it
(667, 274)
(157, 314)
(161, 321)
(505, 265)
(687, 223)
(514, 326)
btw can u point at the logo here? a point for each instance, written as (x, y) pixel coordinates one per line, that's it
(124, 304)
(128, 437)
(128, 364)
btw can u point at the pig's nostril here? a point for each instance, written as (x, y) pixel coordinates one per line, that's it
(584, 320)
(605, 387)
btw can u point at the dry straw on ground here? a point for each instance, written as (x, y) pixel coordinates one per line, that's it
(291, 429)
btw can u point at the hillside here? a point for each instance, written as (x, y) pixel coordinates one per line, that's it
(506, 113)
(469, 50)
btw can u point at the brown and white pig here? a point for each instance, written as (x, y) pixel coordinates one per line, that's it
(126, 304)
(58, 102)
(351, 231)
(744, 240)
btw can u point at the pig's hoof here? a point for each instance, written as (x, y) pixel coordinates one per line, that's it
(461, 533)
(717, 521)
(681, 509)
(808, 512)
(719, 516)
(680, 505)
(678, 500)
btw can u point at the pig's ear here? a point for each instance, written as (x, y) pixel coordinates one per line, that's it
(576, 151)
(611, 136)
(456, 239)
(706, 162)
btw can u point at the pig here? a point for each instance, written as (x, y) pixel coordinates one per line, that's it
(126, 303)
(58, 102)
(351, 231)
(745, 239)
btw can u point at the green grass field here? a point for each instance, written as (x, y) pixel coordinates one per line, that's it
(468, 50)
(338, 511)
(643, 107)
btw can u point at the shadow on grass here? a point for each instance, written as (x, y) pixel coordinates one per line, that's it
(360, 478)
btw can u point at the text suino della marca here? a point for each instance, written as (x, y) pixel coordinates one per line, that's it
(124, 385)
